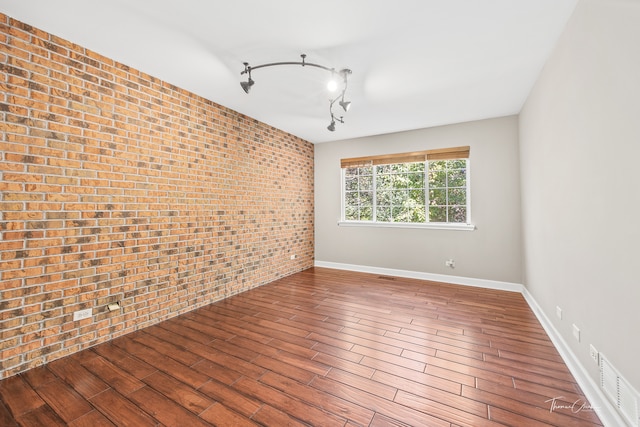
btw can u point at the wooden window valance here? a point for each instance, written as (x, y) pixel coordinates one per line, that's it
(417, 156)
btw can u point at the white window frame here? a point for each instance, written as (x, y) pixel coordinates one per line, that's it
(469, 226)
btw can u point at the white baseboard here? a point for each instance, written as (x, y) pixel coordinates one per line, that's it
(594, 394)
(599, 402)
(445, 278)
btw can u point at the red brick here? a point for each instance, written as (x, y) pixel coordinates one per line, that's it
(110, 171)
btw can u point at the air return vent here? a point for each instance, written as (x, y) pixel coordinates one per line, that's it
(623, 396)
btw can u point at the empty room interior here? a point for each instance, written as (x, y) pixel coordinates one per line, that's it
(286, 213)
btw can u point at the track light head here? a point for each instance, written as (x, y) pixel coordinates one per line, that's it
(246, 86)
(345, 105)
(332, 126)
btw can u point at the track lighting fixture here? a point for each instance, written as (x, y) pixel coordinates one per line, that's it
(334, 119)
(246, 86)
(332, 86)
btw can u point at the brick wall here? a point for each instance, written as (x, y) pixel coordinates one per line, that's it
(116, 186)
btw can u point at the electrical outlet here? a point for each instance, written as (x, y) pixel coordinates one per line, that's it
(576, 332)
(559, 312)
(82, 314)
(450, 263)
(293, 256)
(594, 354)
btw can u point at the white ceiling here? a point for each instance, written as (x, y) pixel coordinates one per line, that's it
(415, 63)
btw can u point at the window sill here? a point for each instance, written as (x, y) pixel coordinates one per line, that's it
(429, 226)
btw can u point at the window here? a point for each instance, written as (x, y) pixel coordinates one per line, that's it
(423, 188)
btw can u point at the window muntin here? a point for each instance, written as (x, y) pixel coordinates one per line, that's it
(425, 192)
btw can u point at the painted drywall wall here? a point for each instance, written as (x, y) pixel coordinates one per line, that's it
(491, 252)
(579, 149)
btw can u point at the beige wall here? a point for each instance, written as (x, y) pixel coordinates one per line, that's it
(491, 252)
(579, 151)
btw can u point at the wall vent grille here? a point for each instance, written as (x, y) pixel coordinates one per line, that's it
(620, 392)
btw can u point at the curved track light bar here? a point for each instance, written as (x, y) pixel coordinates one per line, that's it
(246, 86)
(248, 68)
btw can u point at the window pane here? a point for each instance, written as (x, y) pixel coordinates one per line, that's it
(384, 198)
(399, 197)
(458, 196)
(457, 178)
(401, 181)
(415, 210)
(418, 214)
(366, 183)
(351, 198)
(366, 214)
(399, 167)
(416, 167)
(417, 196)
(400, 214)
(366, 170)
(416, 180)
(383, 169)
(457, 164)
(351, 171)
(437, 166)
(350, 183)
(457, 214)
(437, 179)
(437, 214)
(438, 197)
(366, 198)
(383, 214)
(384, 182)
(394, 181)
(351, 213)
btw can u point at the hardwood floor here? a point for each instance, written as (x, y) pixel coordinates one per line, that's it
(322, 348)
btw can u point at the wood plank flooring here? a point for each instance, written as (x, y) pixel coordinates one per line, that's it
(319, 348)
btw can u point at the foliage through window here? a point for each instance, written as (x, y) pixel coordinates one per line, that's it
(427, 191)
